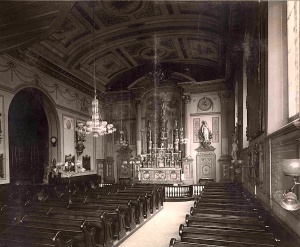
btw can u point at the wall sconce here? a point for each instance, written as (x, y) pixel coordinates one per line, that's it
(53, 141)
(236, 165)
(288, 199)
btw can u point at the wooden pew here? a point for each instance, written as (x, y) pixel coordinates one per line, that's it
(80, 230)
(228, 206)
(131, 217)
(108, 224)
(225, 223)
(224, 213)
(176, 243)
(114, 213)
(232, 196)
(29, 236)
(159, 187)
(90, 193)
(234, 235)
(127, 209)
(12, 232)
(133, 209)
(121, 200)
(157, 191)
(223, 196)
(151, 194)
(224, 239)
(223, 200)
(95, 192)
(147, 199)
(46, 213)
(132, 191)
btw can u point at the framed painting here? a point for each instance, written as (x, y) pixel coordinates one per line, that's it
(255, 72)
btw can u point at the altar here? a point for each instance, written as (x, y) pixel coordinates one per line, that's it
(162, 161)
(160, 175)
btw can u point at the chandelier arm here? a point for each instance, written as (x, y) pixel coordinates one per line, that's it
(293, 187)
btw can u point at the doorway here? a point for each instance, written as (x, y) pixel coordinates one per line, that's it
(28, 137)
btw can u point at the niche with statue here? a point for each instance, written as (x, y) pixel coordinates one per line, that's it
(206, 157)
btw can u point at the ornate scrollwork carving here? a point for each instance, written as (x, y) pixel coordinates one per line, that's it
(256, 163)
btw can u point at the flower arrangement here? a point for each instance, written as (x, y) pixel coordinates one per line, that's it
(68, 168)
(79, 166)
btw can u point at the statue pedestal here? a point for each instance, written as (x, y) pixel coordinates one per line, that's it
(187, 171)
(206, 163)
(225, 170)
(125, 167)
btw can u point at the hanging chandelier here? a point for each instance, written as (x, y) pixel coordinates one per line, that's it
(96, 125)
(122, 142)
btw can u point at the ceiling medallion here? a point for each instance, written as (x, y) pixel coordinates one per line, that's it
(122, 7)
(205, 104)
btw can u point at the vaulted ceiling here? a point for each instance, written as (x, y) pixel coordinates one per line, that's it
(121, 42)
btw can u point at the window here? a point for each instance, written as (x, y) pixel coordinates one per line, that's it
(293, 19)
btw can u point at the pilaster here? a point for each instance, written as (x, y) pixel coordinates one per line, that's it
(187, 111)
(224, 161)
(138, 126)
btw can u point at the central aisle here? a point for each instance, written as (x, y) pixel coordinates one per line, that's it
(158, 231)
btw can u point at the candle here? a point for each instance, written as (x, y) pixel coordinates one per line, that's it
(142, 140)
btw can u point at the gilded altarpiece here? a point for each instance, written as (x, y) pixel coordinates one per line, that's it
(162, 140)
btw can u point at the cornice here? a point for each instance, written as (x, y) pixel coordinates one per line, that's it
(290, 127)
(204, 87)
(45, 66)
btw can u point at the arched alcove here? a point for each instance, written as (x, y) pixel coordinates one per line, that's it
(32, 122)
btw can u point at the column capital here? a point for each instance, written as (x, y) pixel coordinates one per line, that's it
(224, 96)
(186, 98)
(138, 103)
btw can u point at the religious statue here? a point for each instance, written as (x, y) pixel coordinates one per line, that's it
(234, 146)
(205, 135)
(69, 166)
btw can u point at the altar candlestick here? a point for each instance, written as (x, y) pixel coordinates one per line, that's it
(142, 141)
